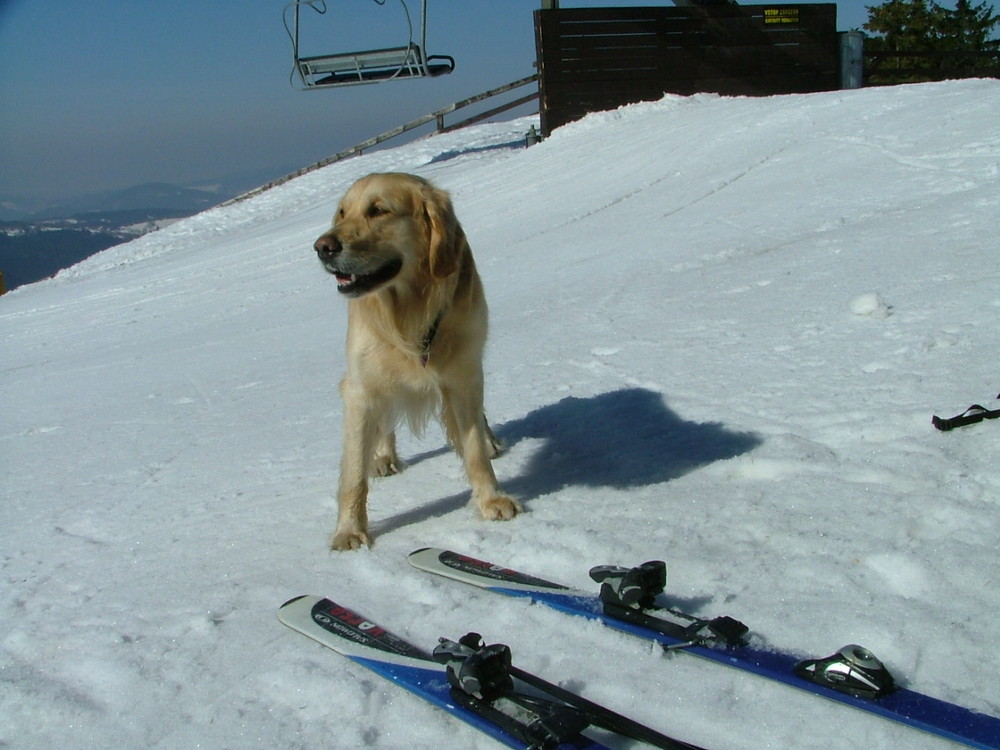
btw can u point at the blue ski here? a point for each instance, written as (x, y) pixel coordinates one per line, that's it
(471, 681)
(852, 676)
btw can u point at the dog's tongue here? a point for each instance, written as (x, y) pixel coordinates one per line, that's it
(344, 279)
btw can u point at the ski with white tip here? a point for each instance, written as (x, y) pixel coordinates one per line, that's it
(472, 681)
(852, 676)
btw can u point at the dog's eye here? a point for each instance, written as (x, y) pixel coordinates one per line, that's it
(376, 210)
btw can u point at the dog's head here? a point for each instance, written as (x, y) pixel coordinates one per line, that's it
(390, 229)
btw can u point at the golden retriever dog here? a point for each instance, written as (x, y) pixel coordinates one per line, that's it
(416, 329)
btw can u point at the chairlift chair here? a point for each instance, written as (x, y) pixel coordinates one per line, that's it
(367, 66)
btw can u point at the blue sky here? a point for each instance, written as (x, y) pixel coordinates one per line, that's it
(105, 94)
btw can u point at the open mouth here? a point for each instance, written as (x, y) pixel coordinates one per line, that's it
(356, 284)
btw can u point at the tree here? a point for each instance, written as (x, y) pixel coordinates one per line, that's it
(967, 28)
(935, 35)
(902, 24)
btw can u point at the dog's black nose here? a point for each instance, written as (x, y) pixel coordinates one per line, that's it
(327, 246)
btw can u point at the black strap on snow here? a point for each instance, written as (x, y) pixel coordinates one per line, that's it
(972, 415)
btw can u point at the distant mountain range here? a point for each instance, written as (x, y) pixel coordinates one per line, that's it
(152, 195)
(38, 239)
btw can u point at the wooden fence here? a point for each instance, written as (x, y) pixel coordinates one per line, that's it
(594, 59)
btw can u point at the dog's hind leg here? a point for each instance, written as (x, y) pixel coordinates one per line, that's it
(493, 443)
(385, 461)
(462, 414)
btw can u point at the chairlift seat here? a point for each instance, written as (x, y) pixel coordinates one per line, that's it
(369, 66)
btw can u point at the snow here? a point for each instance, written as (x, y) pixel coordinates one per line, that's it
(720, 327)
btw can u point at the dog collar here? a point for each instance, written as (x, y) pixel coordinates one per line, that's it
(428, 339)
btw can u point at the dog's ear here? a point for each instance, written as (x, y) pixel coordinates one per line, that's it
(446, 236)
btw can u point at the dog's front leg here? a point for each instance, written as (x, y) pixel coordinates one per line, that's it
(352, 495)
(466, 427)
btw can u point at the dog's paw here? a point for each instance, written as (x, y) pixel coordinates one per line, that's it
(499, 508)
(345, 541)
(385, 466)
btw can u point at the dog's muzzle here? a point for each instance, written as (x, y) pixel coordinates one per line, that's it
(354, 276)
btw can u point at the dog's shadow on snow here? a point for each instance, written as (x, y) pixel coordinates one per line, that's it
(621, 439)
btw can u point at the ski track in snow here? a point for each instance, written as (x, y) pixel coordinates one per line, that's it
(720, 327)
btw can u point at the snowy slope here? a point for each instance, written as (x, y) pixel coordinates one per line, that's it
(719, 330)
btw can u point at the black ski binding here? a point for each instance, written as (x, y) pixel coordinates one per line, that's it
(627, 592)
(853, 670)
(636, 588)
(481, 671)
(480, 675)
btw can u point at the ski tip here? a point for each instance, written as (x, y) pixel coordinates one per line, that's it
(424, 556)
(293, 600)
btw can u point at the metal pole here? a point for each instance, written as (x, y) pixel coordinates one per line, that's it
(423, 39)
(295, 48)
(852, 59)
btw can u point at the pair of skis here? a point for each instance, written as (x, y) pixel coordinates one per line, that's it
(478, 684)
